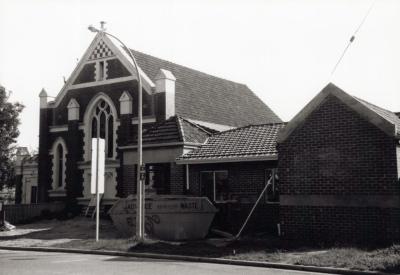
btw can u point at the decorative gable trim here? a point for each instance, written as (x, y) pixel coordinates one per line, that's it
(91, 55)
(354, 104)
(101, 51)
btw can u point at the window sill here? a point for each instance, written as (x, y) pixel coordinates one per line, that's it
(226, 201)
(60, 192)
(272, 202)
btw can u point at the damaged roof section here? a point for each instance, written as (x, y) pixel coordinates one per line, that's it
(250, 143)
(176, 130)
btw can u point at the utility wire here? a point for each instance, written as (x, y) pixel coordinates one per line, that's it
(353, 37)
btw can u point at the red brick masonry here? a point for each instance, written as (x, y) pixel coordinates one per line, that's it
(339, 179)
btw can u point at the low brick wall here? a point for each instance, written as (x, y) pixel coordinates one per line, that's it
(19, 213)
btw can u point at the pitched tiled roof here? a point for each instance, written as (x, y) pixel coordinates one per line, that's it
(175, 129)
(204, 97)
(387, 115)
(252, 142)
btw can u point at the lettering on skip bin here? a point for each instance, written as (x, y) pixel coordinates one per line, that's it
(176, 206)
(166, 206)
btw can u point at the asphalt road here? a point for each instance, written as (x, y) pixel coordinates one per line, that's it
(26, 262)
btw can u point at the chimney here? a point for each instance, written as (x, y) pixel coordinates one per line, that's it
(165, 94)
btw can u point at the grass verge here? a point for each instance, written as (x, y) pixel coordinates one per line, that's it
(383, 259)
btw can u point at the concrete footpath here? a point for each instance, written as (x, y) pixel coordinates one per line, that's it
(328, 270)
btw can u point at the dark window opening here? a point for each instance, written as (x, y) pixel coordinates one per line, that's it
(94, 127)
(215, 185)
(101, 75)
(158, 177)
(272, 182)
(110, 137)
(60, 164)
(33, 194)
(103, 126)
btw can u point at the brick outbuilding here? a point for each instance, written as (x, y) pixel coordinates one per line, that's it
(232, 168)
(339, 165)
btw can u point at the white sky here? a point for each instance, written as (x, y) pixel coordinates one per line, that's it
(283, 50)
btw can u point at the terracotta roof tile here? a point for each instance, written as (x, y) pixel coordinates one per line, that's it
(175, 129)
(249, 141)
(200, 96)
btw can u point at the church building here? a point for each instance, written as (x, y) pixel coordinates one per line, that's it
(330, 175)
(182, 108)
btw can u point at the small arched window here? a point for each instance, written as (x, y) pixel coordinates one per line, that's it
(60, 165)
(59, 152)
(103, 126)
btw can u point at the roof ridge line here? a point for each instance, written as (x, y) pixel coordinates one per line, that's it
(198, 71)
(180, 128)
(250, 125)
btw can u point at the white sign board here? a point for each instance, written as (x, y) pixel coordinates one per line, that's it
(98, 165)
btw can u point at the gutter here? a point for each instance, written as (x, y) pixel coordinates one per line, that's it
(227, 159)
(162, 145)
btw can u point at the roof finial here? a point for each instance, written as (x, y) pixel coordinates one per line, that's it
(102, 23)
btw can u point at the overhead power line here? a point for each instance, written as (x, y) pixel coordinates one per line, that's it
(353, 37)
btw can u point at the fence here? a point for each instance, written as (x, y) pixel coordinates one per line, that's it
(19, 213)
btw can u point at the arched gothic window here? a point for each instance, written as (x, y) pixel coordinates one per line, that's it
(103, 125)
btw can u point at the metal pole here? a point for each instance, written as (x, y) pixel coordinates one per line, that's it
(140, 192)
(97, 191)
(140, 198)
(187, 177)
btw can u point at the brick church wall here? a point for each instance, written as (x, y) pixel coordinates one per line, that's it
(338, 179)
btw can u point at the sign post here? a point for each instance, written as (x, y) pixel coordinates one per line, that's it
(97, 179)
(2, 215)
